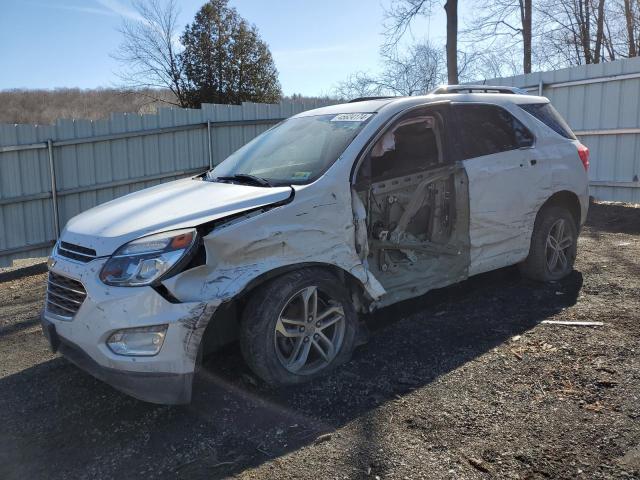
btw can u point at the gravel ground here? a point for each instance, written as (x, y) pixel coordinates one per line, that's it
(464, 382)
(22, 264)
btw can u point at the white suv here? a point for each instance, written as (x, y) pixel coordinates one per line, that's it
(332, 212)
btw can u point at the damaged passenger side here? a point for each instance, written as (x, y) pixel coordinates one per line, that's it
(412, 198)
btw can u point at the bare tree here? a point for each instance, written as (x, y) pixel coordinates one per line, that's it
(621, 29)
(149, 51)
(451, 7)
(599, 32)
(526, 16)
(358, 85)
(476, 64)
(632, 24)
(402, 13)
(419, 70)
(46, 106)
(629, 20)
(567, 36)
(501, 26)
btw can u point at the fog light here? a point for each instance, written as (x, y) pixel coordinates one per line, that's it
(145, 341)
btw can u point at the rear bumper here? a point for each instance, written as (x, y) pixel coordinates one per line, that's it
(584, 208)
(154, 387)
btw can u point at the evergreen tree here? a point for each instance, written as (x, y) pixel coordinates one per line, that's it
(225, 60)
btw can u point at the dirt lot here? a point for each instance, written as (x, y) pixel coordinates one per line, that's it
(462, 383)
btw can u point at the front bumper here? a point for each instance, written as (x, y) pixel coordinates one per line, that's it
(154, 387)
(163, 378)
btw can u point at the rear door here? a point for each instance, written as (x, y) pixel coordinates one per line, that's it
(499, 155)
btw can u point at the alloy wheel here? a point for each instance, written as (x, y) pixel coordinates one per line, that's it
(309, 331)
(558, 248)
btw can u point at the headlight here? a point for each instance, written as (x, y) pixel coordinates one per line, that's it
(145, 260)
(145, 341)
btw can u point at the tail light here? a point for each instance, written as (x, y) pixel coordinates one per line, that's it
(583, 152)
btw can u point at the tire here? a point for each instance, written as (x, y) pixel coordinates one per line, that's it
(551, 222)
(274, 336)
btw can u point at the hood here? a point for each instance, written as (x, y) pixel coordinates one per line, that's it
(180, 204)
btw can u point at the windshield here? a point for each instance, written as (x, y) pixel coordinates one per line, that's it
(296, 151)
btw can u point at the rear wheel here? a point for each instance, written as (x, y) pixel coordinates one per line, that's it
(553, 245)
(298, 326)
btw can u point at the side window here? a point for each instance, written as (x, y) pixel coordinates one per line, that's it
(487, 129)
(413, 144)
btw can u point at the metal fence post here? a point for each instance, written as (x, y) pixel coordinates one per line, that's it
(209, 143)
(540, 86)
(54, 190)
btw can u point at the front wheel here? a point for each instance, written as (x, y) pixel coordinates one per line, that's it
(553, 246)
(298, 326)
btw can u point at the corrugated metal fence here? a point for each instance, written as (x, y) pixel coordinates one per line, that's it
(95, 161)
(601, 103)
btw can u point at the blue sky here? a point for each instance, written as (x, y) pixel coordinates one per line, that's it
(315, 43)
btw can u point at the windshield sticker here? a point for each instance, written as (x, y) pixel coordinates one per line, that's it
(300, 175)
(351, 117)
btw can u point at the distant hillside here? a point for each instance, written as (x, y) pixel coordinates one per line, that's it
(45, 106)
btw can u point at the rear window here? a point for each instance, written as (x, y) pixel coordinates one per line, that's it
(550, 117)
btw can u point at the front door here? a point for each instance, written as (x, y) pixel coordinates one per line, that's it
(415, 198)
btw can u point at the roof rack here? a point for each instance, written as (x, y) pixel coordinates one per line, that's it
(364, 99)
(478, 89)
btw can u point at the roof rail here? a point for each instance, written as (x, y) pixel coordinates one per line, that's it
(364, 99)
(478, 89)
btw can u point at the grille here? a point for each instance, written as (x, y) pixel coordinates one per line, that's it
(76, 252)
(64, 295)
